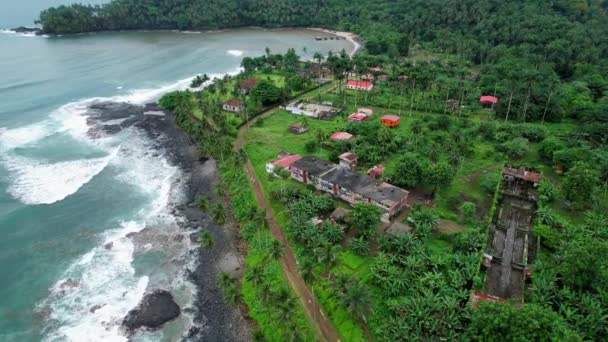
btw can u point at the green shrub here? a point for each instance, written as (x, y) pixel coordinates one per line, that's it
(468, 210)
(488, 182)
(549, 236)
(514, 148)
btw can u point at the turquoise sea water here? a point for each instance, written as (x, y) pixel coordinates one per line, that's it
(64, 196)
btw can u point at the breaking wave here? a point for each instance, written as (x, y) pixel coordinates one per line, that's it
(35, 182)
(20, 34)
(236, 53)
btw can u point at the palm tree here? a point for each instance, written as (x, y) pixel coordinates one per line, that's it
(225, 280)
(232, 294)
(358, 302)
(218, 213)
(258, 335)
(206, 240)
(327, 254)
(266, 294)
(255, 275)
(202, 203)
(275, 251)
(307, 270)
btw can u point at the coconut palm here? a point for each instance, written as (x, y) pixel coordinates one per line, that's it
(202, 203)
(307, 270)
(266, 294)
(218, 213)
(255, 274)
(327, 255)
(225, 280)
(206, 240)
(358, 301)
(258, 336)
(275, 251)
(232, 294)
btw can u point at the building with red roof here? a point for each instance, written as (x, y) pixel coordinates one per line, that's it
(357, 117)
(390, 120)
(341, 136)
(233, 105)
(348, 159)
(359, 85)
(366, 111)
(248, 84)
(488, 100)
(284, 161)
(510, 173)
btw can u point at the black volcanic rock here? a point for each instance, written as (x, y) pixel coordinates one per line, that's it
(154, 310)
(24, 29)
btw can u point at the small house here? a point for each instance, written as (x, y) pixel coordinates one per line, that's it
(297, 128)
(375, 69)
(348, 159)
(248, 84)
(488, 101)
(341, 136)
(284, 160)
(315, 110)
(233, 105)
(390, 120)
(511, 174)
(357, 117)
(359, 85)
(366, 111)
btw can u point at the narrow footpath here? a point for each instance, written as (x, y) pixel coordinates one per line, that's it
(322, 326)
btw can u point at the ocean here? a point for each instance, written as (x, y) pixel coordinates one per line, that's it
(70, 203)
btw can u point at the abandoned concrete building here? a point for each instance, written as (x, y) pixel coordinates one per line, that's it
(352, 187)
(511, 244)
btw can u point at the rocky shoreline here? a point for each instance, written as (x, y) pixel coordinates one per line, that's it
(213, 319)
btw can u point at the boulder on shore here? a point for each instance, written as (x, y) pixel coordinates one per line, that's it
(154, 310)
(24, 29)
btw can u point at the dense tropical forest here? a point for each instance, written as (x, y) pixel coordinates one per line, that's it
(546, 62)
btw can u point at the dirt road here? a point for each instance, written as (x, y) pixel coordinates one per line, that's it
(322, 326)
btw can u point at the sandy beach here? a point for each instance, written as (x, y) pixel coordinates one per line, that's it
(353, 38)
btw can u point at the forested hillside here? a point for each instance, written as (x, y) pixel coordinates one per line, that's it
(561, 32)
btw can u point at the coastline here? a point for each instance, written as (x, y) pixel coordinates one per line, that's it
(352, 37)
(211, 318)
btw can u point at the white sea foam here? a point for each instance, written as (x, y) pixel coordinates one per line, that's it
(21, 34)
(236, 53)
(20, 136)
(35, 182)
(104, 289)
(106, 278)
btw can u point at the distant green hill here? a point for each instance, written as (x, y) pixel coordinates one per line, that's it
(562, 32)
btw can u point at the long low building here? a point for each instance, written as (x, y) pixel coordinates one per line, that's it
(348, 185)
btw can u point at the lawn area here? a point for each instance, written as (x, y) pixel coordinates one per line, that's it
(273, 134)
